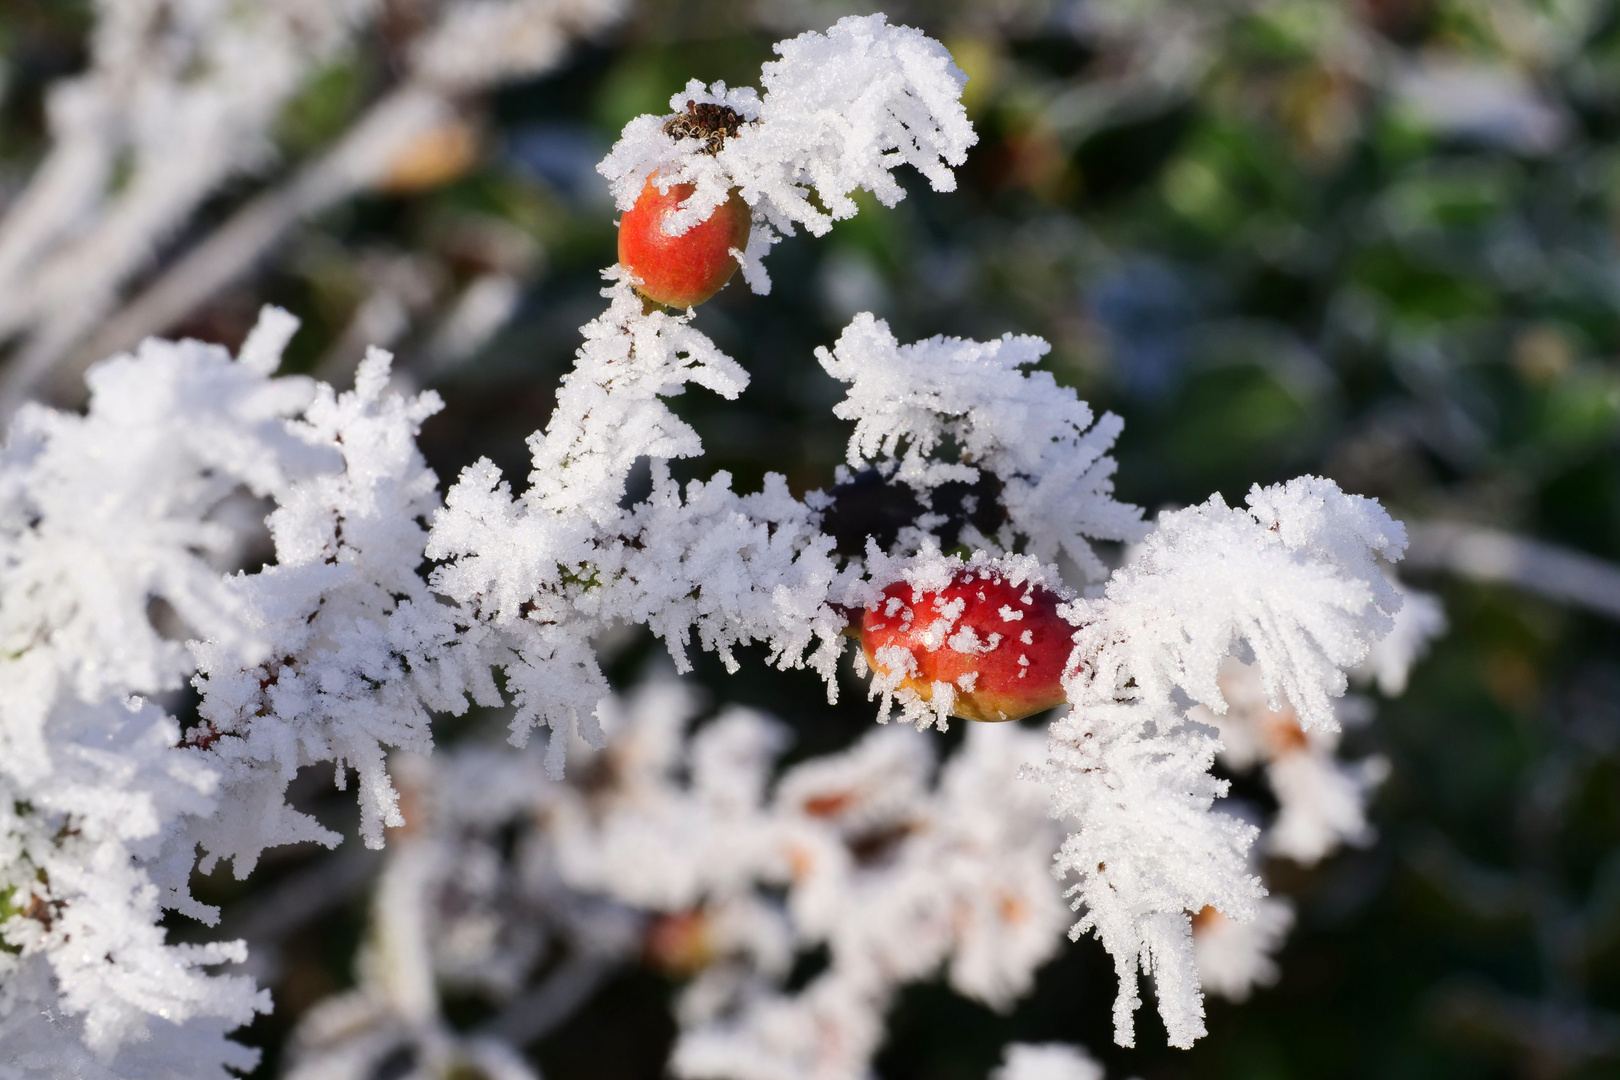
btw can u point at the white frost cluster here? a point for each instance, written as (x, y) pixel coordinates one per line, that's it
(1421, 619)
(480, 43)
(348, 649)
(107, 523)
(1235, 957)
(546, 570)
(1292, 582)
(839, 113)
(1046, 1061)
(1321, 800)
(1036, 437)
(898, 878)
(450, 913)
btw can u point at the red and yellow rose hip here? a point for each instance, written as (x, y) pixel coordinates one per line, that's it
(1000, 646)
(681, 271)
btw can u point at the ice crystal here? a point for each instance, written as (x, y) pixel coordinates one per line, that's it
(1037, 438)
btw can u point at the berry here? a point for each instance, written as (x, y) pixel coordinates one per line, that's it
(685, 270)
(997, 646)
(681, 943)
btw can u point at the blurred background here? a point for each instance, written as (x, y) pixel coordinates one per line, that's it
(1374, 240)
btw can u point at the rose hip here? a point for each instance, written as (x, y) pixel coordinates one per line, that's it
(681, 271)
(1000, 646)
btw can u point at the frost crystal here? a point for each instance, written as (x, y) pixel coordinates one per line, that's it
(349, 648)
(1292, 580)
(544, 571)
(1046, 1061)
(1232, 957)
(1420, 620)
(897, 876)
(1321, 800)
(107, 523)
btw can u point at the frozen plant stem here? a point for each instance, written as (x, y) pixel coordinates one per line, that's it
(236, 247)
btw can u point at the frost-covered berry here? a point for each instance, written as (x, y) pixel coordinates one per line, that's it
(685, 270)
(997, 647)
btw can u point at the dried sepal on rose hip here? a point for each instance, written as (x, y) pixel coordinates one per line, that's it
(685, 270)
(987, 644)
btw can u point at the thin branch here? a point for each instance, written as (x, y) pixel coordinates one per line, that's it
(529, 1018)
(1482, 554)
(269, 918)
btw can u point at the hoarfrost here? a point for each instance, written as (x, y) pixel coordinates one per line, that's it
(1292, 581)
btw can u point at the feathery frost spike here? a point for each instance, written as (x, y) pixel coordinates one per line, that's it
(1292, 581)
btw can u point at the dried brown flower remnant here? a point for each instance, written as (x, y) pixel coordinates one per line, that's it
(831, 805)
(712, 123)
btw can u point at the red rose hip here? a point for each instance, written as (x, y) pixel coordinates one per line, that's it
(681, 271)
(1000, 646)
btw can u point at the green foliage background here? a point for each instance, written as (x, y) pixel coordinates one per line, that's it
(1269, 262)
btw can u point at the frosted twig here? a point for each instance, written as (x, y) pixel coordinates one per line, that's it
(178, 97)
(252, 233)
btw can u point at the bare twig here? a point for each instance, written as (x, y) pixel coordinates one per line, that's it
(1483, 554)
(529, 1018)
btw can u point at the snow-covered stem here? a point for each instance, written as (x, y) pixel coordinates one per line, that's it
(1491, 555)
